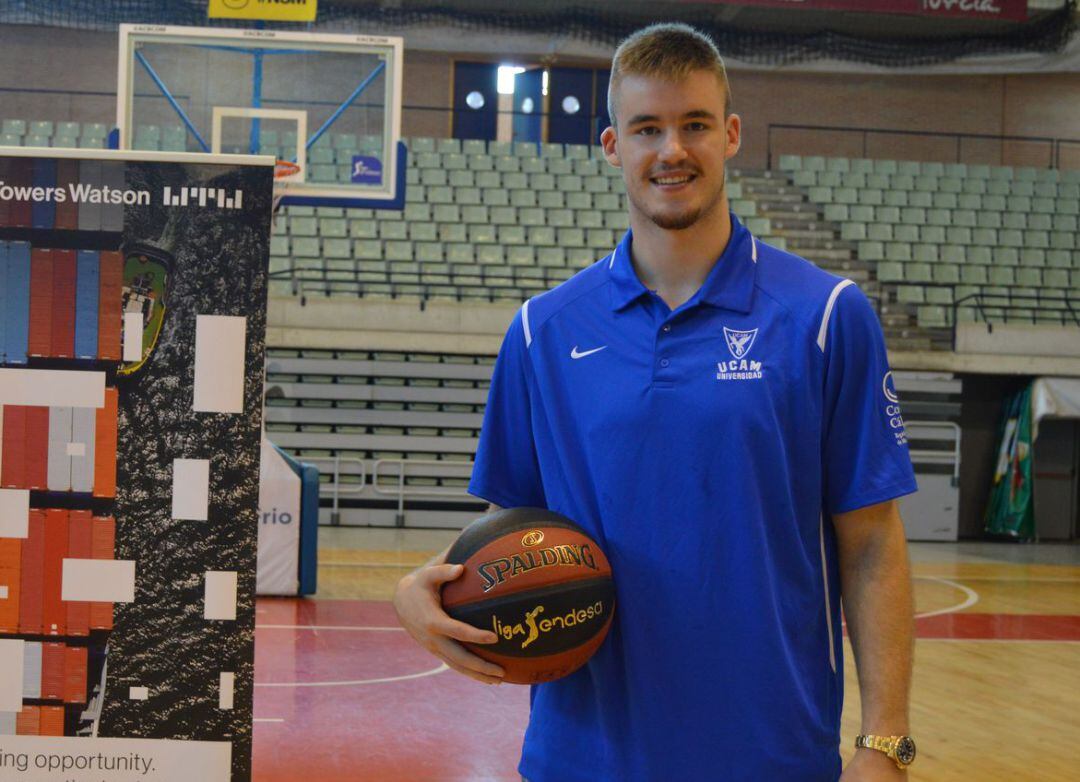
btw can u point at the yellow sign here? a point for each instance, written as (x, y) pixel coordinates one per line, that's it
(270, 10)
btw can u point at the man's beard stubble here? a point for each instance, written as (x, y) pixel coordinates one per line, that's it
(681, 222)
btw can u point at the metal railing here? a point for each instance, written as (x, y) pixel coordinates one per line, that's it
(937, 457)
(1065, 308)
(399, 490)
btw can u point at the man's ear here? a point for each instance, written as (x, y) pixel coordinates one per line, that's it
(609, 142)
(733, 128)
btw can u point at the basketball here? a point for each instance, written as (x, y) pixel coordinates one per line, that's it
(540, 583)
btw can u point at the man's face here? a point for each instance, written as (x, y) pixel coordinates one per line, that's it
(672, 142)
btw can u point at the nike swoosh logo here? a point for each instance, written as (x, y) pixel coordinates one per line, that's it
(575, 354)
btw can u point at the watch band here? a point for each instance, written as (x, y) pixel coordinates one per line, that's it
(900, 749)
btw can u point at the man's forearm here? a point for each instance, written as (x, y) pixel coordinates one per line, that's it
(878, 606)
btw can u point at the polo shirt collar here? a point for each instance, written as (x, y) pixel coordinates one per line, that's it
(729, 284)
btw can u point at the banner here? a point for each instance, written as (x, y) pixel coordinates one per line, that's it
(279, 524)
(1011, 512)
(132, 323)
(269, 10)
(1014, 10)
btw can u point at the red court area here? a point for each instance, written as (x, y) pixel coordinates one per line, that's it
(342, 693)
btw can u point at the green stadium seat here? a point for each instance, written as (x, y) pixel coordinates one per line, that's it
(932, 168)
(563, 218)
(896, 198)
(394, 230)
(853, 231)
(836, 179)
(577, 151)
(965, 217)
(910, 294)
(423, 232)
(367, 249)
(902, 182)
(482, 234)
(902, 232)
(459, 252)
(1001, 275)
(838, 212)
(1056, 278)
(541, 235)
(520, 255)
(786, 162)
(863, 165)
(336, 248)
(528, 216)
(813, 163)
(881, 232)
(944, 200)
(1000, 187)
(600, 238)
(589, 218)
(888, 271)
(452, 232)
(490, 254)
(487, 179)
(550, 199)
(973, 274)
(479, 164)
(551, 256)
(1011, 238)
(945, 273)
(804, 178)
(933, 316)
(935, 234)
(971, 201)
(898, 251)
(956, 234)
(840, 164)
(918, 272)
(866, 214)
(871, 251)
(1032, 256)
(461, 178)
(1005, 256)
(570, 237)
(976, 186)
(1029, 276)
(952, 253)
(980, 255)
(492, 197)
(886, 167)
(988, 220)
(925, 253)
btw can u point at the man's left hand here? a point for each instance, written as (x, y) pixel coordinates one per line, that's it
(869, 765)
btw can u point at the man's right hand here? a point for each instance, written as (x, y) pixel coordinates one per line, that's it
(420, 611)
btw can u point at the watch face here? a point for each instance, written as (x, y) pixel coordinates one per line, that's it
(905, 750)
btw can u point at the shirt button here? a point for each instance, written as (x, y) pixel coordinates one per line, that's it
(664, 362)
(667, 327)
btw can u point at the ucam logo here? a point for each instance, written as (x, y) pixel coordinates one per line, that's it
(964, 6)
(892, 409)
(740, 368)
(203, 196)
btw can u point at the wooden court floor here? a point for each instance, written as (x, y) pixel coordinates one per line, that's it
(343, 694)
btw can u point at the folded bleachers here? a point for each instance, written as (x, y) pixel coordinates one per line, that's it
(385, 423)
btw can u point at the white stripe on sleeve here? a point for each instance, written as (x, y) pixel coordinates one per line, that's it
(827, 315)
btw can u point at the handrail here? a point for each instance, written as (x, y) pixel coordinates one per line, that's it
(401, 490)
(336, 460)
(979, 300)
(1053, 161)
(934, 455)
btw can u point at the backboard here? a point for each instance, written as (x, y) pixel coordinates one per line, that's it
(331, 103)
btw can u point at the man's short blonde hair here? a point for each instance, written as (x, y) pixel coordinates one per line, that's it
(670, 51)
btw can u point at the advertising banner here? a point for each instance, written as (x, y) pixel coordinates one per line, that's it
(269, 10)
(132, 322)
(1013, 10)
(279, 524)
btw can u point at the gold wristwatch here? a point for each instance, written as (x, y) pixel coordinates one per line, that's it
(900, 748)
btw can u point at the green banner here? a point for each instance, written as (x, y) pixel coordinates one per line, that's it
(1011, 510)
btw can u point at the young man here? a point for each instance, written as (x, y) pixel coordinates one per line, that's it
(720, 416)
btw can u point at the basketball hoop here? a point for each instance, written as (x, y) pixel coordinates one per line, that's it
(285, 169)
(284, 172)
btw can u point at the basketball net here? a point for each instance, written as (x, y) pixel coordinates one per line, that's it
(285, 172)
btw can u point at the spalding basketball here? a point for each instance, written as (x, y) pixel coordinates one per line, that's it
(540, 583)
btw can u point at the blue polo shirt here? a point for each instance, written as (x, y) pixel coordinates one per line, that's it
(705, 449)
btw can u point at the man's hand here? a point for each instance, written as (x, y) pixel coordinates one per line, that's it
(416, 600)
(869, 765)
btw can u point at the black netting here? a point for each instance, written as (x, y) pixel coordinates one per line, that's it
(1047, 33)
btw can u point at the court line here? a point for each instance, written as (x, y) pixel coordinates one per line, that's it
(971, 599)
(329, 627)
(268, 719)
(442, 667)
(1002, 640)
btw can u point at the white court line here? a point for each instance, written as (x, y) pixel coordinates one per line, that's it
(268, 719)
(1002, 640)
(328, 627)
(442, 667)
(971, 599)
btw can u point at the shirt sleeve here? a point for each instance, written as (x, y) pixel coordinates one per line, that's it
(865, 451)
(506, 471)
